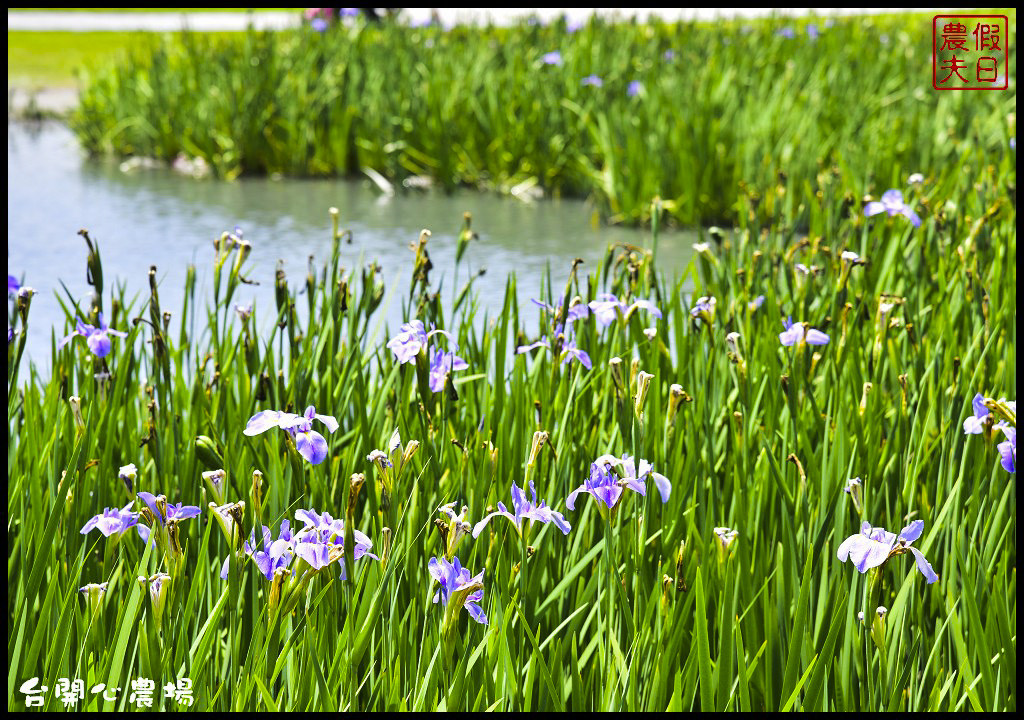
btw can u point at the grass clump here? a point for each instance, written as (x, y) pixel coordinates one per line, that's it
(622, 112)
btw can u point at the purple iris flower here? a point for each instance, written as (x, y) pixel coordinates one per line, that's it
(797, 333)
(872, 547)
(975, 424)
(112, 521)
(786, 32)
(455, 579)
(552, 58)
(1008, 448)
(163, 512)
(569, 350)
(96, 337)
(634, 88)
(574, 25)
(270, 555)
(607, 306)
(705, 305)
(318, 24)
(755, 303)
(525, 510)
(321, 540)
(441, 365)
(277, 553)
(669, 55)
(579, 311)
(606, 485)
(12, 285)
(592, 80)
(407, 343)
(892, 203)
(603, 485)
(813, 32)
(310, 444)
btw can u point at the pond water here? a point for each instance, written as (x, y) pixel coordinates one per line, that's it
(159, 217)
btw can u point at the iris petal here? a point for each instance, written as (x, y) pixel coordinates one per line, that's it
(262, 421)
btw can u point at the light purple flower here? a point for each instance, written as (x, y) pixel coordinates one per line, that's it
(813, 32)
(669, 55)
(441, 365)
(786, 32)
(310, 444)
(798, 333)
(892, 203)
(603, 485)
(552, 58)
(322, 538)
(975, 424)
(592, 80)
(262, 552)
(872, 547)
(318, 24)
(1008, 448)
(705, 308)
(570, 351)
(407, 343)
(96, 337)
(755, 303)
(112, 521)
(13, 285)
(606, 485)
(606, 308)
(579, 311)
(163, 512)
(634, 88)
(524, 509)
(455, 581)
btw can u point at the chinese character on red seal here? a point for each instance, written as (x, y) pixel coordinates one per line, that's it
(970, 52)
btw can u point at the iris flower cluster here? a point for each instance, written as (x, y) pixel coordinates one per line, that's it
(457, 582)
(413, 338)
(800, 333)
(318, 544)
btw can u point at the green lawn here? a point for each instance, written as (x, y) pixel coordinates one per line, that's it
(50, 59)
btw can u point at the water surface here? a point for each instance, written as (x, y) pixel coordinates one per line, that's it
(159, 217)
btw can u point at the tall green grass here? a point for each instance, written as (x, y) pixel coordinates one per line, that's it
(737, 105)
(641, 611)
